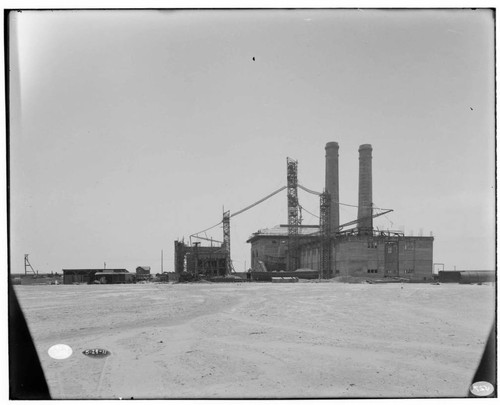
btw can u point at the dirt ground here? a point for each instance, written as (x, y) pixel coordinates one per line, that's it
(260, 340)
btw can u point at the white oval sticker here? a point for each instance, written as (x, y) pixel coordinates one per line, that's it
(60, 352)
(482, 389)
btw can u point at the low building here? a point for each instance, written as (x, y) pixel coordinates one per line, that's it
(81, 276)
(115, 276)
(104, 276)
(467, 277)
(143, 273)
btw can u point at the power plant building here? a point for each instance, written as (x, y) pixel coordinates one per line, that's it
(360, 251)
(378, 255)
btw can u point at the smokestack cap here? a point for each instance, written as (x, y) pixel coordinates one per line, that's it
(366, 146)
(332, 145)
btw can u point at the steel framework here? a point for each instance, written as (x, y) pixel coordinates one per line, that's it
(293, 215)
(325, 234)
(226, 229)
(28, 264)
(196, 257)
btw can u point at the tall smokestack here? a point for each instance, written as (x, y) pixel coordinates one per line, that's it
(332, 182)
(365, 203)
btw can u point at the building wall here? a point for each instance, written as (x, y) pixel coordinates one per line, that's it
(416, 258)
(118, 278)
(359, 256)
(271, 250)
(310, 255)
(78, 276)
(142, 273)
(71, 276)
(211, 262)
(408, 257)
(204, 260)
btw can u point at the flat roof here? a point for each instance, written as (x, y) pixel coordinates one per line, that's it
(96, 270)
(282, 230)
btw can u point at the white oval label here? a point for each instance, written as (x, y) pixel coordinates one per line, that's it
(60, 352)
(482, 389)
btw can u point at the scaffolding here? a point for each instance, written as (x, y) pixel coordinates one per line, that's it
(293, 216)
(196, 258)
(325, 235)
(226, 229)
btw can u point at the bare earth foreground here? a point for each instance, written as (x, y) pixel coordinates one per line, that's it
(254, 340)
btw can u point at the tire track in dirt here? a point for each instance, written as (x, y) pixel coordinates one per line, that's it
(260, 340)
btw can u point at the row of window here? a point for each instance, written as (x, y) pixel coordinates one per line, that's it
(374, 245)
(408, 271)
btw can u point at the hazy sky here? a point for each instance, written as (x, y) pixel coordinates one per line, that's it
(131, 129)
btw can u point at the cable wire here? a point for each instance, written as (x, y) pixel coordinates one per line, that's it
(196, 233)
(258, 202)
(242, 210)
(309, 212)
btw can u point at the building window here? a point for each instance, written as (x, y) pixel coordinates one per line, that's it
(389, 249)
(409, 245)
(372, 270)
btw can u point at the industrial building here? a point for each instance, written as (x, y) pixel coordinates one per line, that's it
(325, 250)
(332, 248)
(381, 254)
(205, 261)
